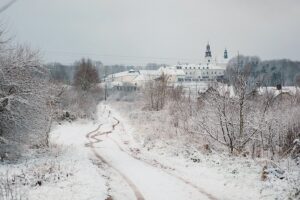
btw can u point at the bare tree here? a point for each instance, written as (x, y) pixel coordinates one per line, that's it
(234, 115)
(156, 92)
(86, 75)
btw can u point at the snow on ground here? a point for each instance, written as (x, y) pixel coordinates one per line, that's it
(212, 175)
(224, 176)
(151, 182)
(65, 172)
(125, 156)
(86, 182)
(145, 181)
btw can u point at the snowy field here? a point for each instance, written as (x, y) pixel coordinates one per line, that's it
(122, 156)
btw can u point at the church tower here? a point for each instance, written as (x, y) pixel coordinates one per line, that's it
(208, 56)
(225, 54)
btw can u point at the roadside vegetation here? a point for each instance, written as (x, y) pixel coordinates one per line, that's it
(32, 98)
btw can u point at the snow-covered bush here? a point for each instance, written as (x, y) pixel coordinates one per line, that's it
(243, 121)
(19, 179)
(81, 99)
(9, 189)
(78, 103)
(24, 113)
(155, 93)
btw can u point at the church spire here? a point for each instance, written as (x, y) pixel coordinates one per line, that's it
(225, 54)
(208, 51)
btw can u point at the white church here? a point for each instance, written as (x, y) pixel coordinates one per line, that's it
(209, 70)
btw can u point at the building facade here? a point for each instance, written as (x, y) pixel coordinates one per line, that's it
(209, 70)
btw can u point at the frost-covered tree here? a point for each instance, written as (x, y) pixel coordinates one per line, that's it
(24, 118)
(234, 115)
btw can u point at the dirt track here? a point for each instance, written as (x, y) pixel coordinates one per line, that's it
(93, 138)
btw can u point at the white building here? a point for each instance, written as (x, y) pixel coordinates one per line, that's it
(210, 69)
(139, 77)
(135, 78)
(173, 73)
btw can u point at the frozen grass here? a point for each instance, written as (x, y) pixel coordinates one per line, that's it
(18, 179)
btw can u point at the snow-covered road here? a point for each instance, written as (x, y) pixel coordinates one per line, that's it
(144, 180)
(111, 162)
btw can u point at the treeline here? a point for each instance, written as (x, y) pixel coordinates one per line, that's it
(267, 73)
(64, 73)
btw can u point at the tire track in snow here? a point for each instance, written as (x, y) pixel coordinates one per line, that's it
(164, 169)
(89, 135)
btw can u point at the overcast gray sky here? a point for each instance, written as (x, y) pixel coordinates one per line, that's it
(163, 31)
